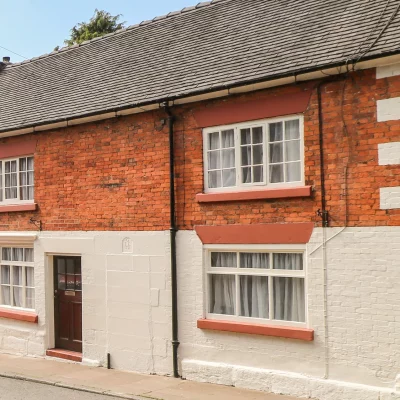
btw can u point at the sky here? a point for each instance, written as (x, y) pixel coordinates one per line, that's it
(34, 27)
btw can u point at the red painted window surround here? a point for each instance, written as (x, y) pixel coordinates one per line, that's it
(21, 148)
(265, 330)
(272, 106)
(300, 191)
(298, 233)
(18, 207)
(19, 315)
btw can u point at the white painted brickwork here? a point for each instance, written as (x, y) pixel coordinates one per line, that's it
(363, 324)
(390, 198)
(387, 71)
(389, 153)
(119, 314)
(388, 109)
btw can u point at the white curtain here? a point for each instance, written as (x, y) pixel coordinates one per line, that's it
(5, 280)
(17, 289)
(29, 290)
(289, 295)
(254, 300)
(223, 293)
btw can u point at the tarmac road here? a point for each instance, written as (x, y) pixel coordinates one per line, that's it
(13, 389)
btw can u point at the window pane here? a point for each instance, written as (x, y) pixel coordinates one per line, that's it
(214, 160)
(257, 135)
(30, 278)
(292, 150)
(246, 175)
(17, 297)
(258, 154)
(23, 178)
(70, 266)
(70, 282)
(78, 282)
(275, 132)
(7, 167)
(293, 172)
(245, 137)
(276, 153)
(8, 180)
(213, 141)
(30, 163)
(288, 261)
(289, 303)
(17, 254)
(30, 298)
(30, 193)
(22, 164)
(61, 282)
(228, 158)
(229, 177)
(292, 129)
(6, 253)
(228, 138)
(61, 266)
(276, 173)
(6, 295)
(30, 178)
(246, 155)
(5, 275)
(222, 294)
(14, 166)
(254, 301)
(223, 260)
(24, 193)
(29, 255)
(254, 260)
(214, 179)
(13, 179)
(258, 174)
(17, 276)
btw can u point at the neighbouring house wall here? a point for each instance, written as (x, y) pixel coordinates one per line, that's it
(363, 308)
(126, 299)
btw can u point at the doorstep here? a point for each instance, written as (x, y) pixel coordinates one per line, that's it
(65, 354)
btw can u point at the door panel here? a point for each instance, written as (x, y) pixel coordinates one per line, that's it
(68, 303)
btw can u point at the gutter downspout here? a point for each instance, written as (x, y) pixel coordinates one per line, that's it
(173, 229)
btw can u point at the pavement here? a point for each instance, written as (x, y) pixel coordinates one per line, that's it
(120, 384)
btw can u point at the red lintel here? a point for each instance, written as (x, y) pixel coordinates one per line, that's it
(19, 315)
(273, 106)
(253, 329)
(298, 233)
(16, 149)
(18, 207)
(279, 193)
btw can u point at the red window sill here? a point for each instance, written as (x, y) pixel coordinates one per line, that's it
(301, 191)
(18, 207)
(252, 329)
(19, 315)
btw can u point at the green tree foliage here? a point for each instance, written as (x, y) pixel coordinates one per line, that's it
(100, 24)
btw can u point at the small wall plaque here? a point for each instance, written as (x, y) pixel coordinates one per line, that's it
(127, 245)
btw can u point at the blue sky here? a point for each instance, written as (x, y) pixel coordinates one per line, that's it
(35, 27)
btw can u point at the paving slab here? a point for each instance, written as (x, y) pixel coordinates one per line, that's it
(127, 385)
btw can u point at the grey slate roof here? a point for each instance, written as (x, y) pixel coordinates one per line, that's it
(213, 45)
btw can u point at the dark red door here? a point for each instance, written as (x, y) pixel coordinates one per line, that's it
(68, 303)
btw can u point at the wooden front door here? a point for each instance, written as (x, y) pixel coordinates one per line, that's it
(68, 303)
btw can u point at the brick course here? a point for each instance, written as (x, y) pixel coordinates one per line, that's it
(113, 175)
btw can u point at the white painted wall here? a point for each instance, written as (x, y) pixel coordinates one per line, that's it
(387, 71)
(126, 299)
(388, 109)
(363, 324)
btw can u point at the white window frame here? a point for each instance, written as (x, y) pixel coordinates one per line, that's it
(3, 182)
(12, 264)
(208, 270)
(237, 127)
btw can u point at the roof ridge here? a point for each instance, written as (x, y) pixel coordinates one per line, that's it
(171, 14)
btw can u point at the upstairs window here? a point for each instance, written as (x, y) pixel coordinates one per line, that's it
(16, 180)
(250, 155)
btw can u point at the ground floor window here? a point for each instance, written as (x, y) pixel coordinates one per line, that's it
(263, 285)
(17, 281)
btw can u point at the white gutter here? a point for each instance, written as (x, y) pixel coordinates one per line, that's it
(208, 96)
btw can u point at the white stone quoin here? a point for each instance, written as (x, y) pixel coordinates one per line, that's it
(388, 109)
(390, 198)
(387, 71)
(389, 153)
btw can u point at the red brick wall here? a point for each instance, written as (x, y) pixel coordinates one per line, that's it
(113, 175)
